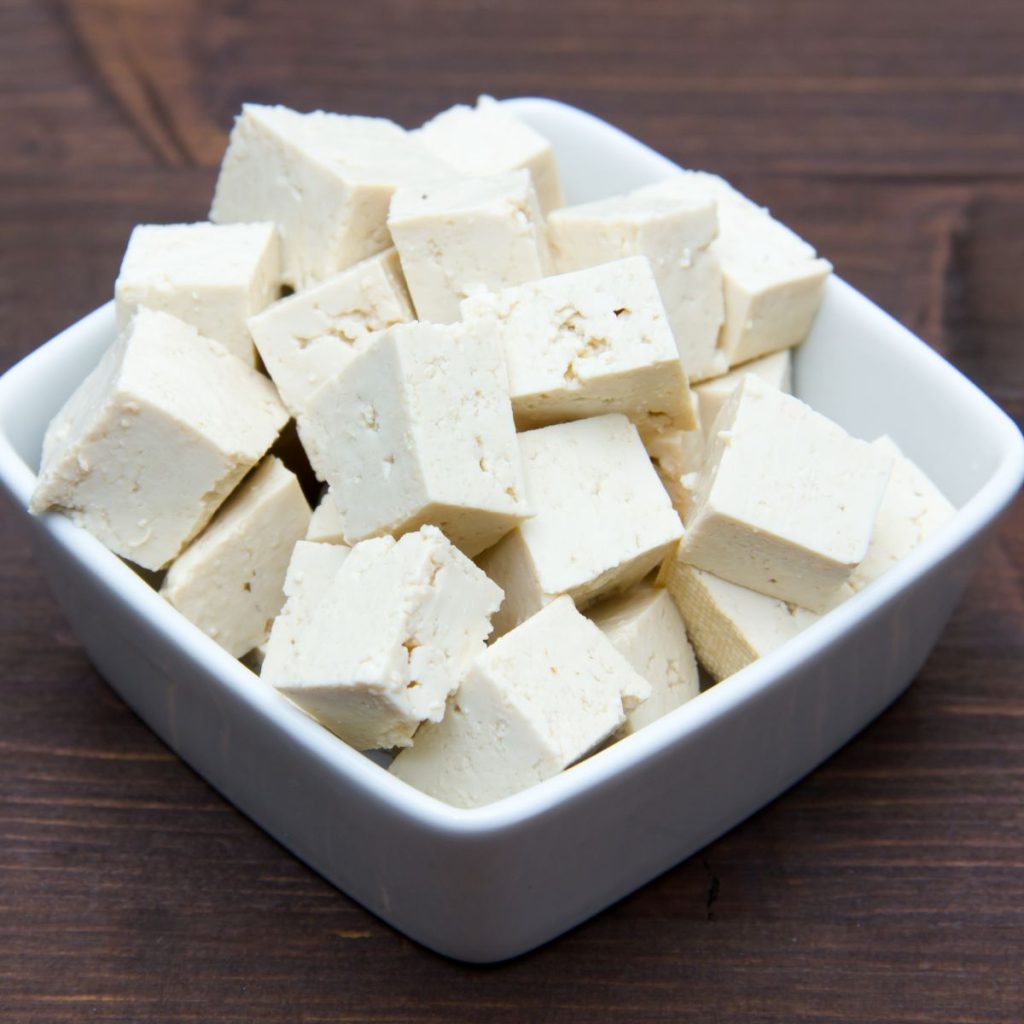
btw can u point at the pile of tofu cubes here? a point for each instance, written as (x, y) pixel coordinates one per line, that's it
(512, 407)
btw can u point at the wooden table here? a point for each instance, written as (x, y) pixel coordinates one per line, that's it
(888, 886)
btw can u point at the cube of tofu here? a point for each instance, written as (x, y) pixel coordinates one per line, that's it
(679, 454)
(912, 509)
(730, 626)
(155, 438)
(325, 525)
(391, 636)
(459, 237)
(775, 370)
(773, 280)
(229, 581)
(786, 500)
(533, 703)
(603, 521)
(306, 338)
(311, 570)
(212, 276)
(673, 233)
(418, 429)
(687, 492)
(324, 179)
(488, 139)
(586, 343)
(676, 455)
(645, 627)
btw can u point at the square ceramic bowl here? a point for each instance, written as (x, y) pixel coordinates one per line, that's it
(490, 883)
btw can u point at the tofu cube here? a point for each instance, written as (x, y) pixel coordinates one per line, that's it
(912, 509)
(212, 276)
(536, 701)
(676, 454)
(325, 525)
(679, 454)
(306, 338)
(229, 580)
(591, 342)
(773, 280)
(603, 521)
(155, 438)
(390, 638)
(730, 626)
(311, 570)
(775, 370)
(467, 235)
(673, 233)
(418, 429)
(645, 627)
(324, 179)
(786, 500)
(488, 139)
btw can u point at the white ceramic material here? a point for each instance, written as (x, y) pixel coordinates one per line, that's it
(490, 883)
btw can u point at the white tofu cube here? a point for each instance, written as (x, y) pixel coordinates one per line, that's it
(586, 343)
(645, 627)
(311, 570)
(306, 338)
(533, 703)
(418, 429)
(325, 525)
(212, 276)
(603, 521)
(155, 438)
(488, 139)
(775, 370)
(324, 179)
(229, 580)
(467, 235)
(677, 454)
(730, 626)
(390, 638)
(786, 500)
(912, 509)
(673, 233)
(685, 493)
(773, 280)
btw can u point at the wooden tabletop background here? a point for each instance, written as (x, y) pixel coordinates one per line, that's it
(889, 885)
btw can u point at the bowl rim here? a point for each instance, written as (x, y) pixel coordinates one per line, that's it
(352, 767)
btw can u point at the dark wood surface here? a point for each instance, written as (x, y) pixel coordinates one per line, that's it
(889, 885)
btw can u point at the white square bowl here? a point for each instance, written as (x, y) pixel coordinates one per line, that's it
(487, 884)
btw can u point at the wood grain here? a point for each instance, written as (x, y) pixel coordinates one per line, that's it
(887, 886)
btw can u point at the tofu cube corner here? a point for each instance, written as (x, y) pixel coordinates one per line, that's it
(390, 637)
(465, 236)
(647, 629)
(586, 343)
(786, 500)
(230, 580)
(325, 180)
(307, 338)
(603, 520)
(533, 703)
(418, 429)
(212, 276)
(155, 438)
(730, 626)
(674, 234)
(489, 139)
